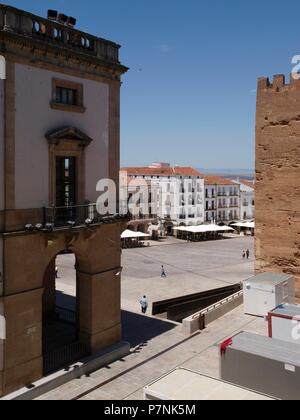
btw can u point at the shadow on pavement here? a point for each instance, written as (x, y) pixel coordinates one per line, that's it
(65, 301)
(139, 329)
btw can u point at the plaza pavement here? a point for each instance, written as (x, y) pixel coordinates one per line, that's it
(190, 267)
(159, 346)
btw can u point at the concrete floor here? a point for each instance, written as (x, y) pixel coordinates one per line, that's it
(159, 346)
(162, 347)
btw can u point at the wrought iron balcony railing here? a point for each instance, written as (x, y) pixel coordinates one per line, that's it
(78, 215)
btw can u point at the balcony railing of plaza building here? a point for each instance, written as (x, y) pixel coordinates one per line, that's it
(59, 217)
(228, 194)
(142, 216)
(56, 34)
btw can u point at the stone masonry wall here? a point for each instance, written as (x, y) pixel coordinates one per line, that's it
(278, 177)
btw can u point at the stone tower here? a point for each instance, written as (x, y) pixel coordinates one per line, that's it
(278, 176)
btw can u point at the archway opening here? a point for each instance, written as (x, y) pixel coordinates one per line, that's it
(61, 313)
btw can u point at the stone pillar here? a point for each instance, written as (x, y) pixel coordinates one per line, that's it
(2, 336)
(22, 348)
(99, 309)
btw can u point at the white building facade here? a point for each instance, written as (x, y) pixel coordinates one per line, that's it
(247, 200)
(180, 199)
(222, 200)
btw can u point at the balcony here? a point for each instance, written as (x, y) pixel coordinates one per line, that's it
(60, 217)
(223, 219)
(139, 217)
(228, 194)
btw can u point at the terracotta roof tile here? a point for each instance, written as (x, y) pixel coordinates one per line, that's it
(164, 171)
(217, 180)
(247, 182)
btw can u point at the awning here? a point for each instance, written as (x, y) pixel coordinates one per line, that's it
(129, 234)
(204, 229)
(247, 225)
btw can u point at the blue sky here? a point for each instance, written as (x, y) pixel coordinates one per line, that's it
(189, 97)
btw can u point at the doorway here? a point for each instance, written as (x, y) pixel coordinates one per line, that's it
(65, 181)
(66, 191)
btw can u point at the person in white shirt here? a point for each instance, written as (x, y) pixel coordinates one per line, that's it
(144, 304)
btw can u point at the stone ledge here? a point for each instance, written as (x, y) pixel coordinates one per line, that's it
(76, 371)
(192, 324)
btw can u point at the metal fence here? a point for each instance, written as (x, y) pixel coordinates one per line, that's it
(78, 215)
(64, 356)
(60, 216)
(66, 315)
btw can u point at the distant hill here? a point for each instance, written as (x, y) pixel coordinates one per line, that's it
(230, 173)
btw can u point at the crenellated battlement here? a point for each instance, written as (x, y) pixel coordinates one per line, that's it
(278, 83)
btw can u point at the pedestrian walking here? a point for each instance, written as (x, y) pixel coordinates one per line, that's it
(163, 272)
(144, 304)
(248, 254)
(244, 255)
(56, 272)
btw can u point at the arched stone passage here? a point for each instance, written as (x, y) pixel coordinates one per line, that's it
(98, 270)
(61, 313)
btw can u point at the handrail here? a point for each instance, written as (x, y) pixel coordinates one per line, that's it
(217, 305)
(79, 214)
(71, 207)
